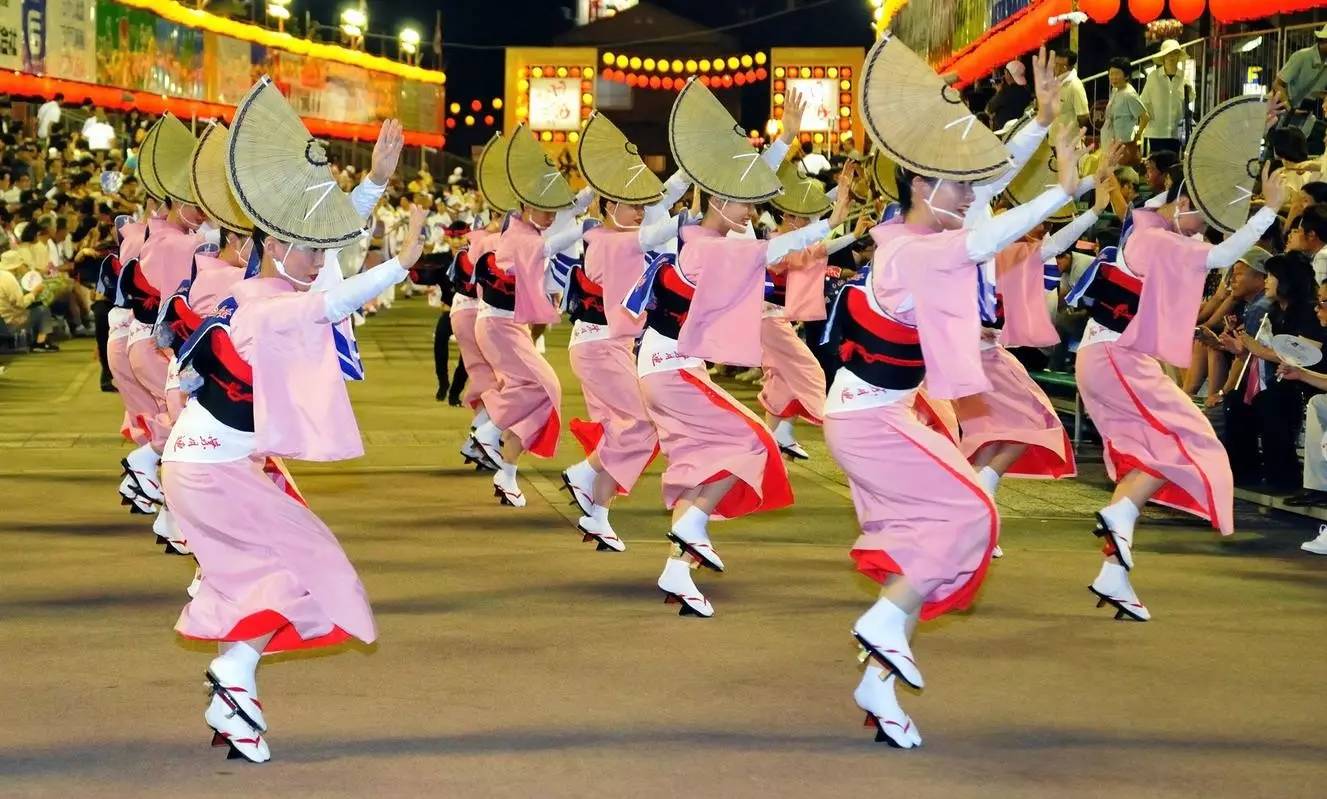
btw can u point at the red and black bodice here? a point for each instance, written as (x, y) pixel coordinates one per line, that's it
(215, 374)
(137, 294)
(497, 288)
(1113, 294)
(873, 345)
(584, 298)
(670, 301)
(463, 275)
(776, 288)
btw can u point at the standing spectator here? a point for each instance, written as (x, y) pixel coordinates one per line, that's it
(1074, 109)
(47, 115)
(1013, 96)
(1166, 98)
(1124, 111)
(1304, 75)
(99, 133)
(1308, 234)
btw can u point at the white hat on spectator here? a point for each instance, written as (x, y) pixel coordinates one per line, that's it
(1255, 258)
(1321, 33)
(1170, 46)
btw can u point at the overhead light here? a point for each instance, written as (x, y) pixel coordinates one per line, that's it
(353, 31)
(355, 18)
(1250, 45)
(277, 11)
(409, 36)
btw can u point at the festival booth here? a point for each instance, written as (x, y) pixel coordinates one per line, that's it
(158, 55)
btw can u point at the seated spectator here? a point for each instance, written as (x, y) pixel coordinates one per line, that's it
(1308, 234)
(1314, 493)
(1241, 295)
(20, 308)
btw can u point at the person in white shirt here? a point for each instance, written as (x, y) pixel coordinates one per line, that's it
(98, 132)
(1165, 98)
(1074, 109)
(47, 115)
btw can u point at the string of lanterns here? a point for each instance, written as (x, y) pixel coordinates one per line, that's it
(474, 107)
(648, 72)
(1189, 11)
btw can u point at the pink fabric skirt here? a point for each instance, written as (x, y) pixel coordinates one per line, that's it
(149, 365)
(1015, 410)
(937, 414)
(619, 429)
(527, 398)
(921, 512)
(137, 401)
(706, 435)
(794, 381)
(1149, 423)
(480, 377)
(269, 564)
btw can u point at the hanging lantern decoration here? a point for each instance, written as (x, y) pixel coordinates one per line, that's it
(1146, 10)
(1101, 11)
(1187, 11)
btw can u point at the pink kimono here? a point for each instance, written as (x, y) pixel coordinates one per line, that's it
(921, 511)
(528, 397)
(166, 260)
(465, 309)
(1146, 420)
(794, 382)
(270, 565)
(138, 402)
(1016, 410)
(706, 434)
(619, 429)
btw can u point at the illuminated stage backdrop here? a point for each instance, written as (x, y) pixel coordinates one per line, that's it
(828, 77)
(552, 88)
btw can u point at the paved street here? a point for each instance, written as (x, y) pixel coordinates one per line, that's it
(514, 660)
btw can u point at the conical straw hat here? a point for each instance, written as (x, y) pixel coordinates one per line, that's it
(1038, 174)
(612, 165)
(533, 176)
(1222, 159)
(208, 177)
(491, 175)
(884, 175)
(279, 174)
(802, 195)
(920, 122)
(712, 150)
(145, 174)
(172, 152)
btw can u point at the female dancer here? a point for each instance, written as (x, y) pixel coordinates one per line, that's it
(524, 407)
(722, 460)
(927, 527)
(270, 384)
(1159, 446)
(464, 309)
(795, 292)
(620, 441)
(120, 319)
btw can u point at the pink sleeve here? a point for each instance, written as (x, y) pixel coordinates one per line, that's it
(723, 324)
(1174, 269)
(523, 254)
(614, 260)
(805, 301)
(935, 269)
(1019, 277)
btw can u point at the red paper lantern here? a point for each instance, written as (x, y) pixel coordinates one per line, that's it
(655, 81)
(740, 79)
(1187, 11)
(475, 105)
(705, 81)
(488, 119)
(1233, 10)
(1100, 10)
(631, 80)
(607, 74)
(668, 83)
(761, 74)
(727, 81)
(750, 76)
(451, 122)
(1146, 10)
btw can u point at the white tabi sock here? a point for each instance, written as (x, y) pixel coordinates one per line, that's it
(989, 480)
(599, 513)
(783, 432)
(509, 472)
(1121, 516)
(582, 472)
(481, 417)
(241, 655)
(693, 522)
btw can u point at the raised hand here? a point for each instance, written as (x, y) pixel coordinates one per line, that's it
(1066, 155)
(387, 151)
(794, 106)
(843, 199)
(1047, 86)
(414, 241)
(1274, 188)
(1276, 106)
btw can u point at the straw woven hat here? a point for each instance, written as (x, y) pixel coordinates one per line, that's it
(491, 175)
(898, 91)
(171, 153)
(279, 174)
(802, 195)
(533, 176)
(884, 175)
(1222, 159)
(145, 174)
(612, 165)
(1038, 174)
(208, 176)
(712, 150)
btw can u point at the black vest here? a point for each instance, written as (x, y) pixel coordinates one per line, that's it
(671, 303)
(585, 298)
(880, 350)
(496, 287)
(1114, 294)
(227, 379)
